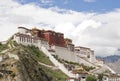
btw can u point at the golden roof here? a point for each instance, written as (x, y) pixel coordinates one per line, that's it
(35, 28)
(80, 70)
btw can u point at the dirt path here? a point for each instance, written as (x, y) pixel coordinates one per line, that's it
(49, 66)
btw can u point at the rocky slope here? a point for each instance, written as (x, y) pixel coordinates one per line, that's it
(113, 62)
(115, 66)
(27, 63)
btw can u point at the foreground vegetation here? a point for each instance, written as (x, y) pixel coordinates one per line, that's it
(3, 47)
(28, 66)
(91, 78)
(37, 54)
(30, 55)
(56, 75)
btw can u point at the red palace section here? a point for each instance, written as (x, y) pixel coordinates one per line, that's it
(53, 38)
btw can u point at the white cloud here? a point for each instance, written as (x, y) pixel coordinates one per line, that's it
(98, 31)
(65, 28)
(89, 0)
(84, 25)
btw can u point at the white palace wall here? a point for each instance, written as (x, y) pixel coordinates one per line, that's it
(65, 54)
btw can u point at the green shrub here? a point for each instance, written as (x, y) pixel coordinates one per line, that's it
(91, 78)
(12, 75)
(1, 76)
(37, 54)
(100, 77)
(3, 47)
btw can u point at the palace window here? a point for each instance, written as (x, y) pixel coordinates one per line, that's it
(31, 40)
(27, 39)
(20, 39)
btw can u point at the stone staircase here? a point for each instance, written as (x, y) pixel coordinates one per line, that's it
(102, 69)
(85, 61)
(112, 71)
(56, 63)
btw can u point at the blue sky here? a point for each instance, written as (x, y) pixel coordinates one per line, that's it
(78, 5)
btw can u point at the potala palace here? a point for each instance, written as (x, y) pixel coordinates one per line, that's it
(56, 44)
(63, 54)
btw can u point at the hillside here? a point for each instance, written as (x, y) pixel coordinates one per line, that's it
(26, 63)
(115, 66)
(110, 59)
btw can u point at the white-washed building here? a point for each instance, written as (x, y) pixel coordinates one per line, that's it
(111, 78)
(64, 50)
(24, 36)
(85, 53)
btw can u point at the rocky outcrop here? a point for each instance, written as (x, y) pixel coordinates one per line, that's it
(115, 66)
(24, 69)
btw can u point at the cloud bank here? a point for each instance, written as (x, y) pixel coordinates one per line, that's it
(97, 31)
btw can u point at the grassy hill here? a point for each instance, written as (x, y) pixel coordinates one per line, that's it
(27, 68)
(3, 47)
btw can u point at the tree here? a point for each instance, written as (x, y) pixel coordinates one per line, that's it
(91, 78)
(100, 77)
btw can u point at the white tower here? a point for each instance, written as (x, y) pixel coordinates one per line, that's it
(23, 30)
